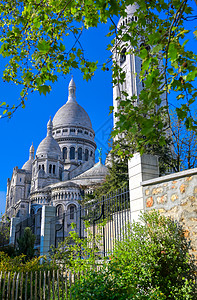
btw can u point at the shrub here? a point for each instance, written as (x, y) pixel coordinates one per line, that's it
(152, 262)
(26, 244)
(20, 264)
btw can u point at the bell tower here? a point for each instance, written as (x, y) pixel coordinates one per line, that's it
(129, 63)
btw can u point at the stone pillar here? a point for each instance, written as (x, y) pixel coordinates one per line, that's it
(140, 168)
(48, 212)
(14, 222)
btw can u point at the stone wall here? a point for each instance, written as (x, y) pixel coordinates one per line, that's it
(175, 195)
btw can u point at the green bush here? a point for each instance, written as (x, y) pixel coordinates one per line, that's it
(152, 262)
(21, 264)
(26, 244)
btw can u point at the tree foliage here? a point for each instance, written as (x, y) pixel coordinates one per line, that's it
(159, 38)
(4, 230)
(117, 176)
(26, 244)
(35, 40)
(184, 146)
(40, 40)
(21, 264)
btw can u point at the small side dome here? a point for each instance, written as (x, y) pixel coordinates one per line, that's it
(49, 146)
(28, 165)
(97, 171)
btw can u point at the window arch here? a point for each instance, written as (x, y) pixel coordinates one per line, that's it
(80, 153)
(59, 210)
(50, 168)
(72, 212)
(64, 153)
(123, 56)
(72, 153)
(86, 154)
(39, 214)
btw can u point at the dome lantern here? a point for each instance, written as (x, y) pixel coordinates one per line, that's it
(49, 127)
(31, 152)
(72, 91)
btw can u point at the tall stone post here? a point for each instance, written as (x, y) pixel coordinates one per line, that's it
(140, 168)
(14, 222)
(48, 212)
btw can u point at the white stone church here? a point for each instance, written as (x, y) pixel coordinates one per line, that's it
(63, 163)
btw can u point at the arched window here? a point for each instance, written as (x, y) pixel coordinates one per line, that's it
(59, 210)
(86, 154)
(80, 153)
(64, 153)
(72, 153)
(72, 212)
(123, 56)
(39, 214)
(50, 168)
(43, 167)
(53, 169)
(60, 173)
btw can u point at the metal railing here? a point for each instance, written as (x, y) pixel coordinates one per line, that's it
(107, 216)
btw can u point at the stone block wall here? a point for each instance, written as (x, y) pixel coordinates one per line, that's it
(175, 195)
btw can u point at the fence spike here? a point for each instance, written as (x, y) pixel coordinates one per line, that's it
(26, 278)
(70, 283)
(31, 283)
(17, 284)
(66, 285)
(0, 279)
(40, 282)
(8, 287)
(21, 287)
(13, 285)
(49, 286)
(58, 285)
(4, 282)
(36, 279)
(44, 284)
(53, 285)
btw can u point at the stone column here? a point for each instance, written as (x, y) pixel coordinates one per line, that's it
(140, 168)
(14, 222)
(48, 212)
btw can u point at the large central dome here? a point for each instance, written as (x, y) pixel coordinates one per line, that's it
(71, 113)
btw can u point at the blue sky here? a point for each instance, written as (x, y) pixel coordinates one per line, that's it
(29, 125)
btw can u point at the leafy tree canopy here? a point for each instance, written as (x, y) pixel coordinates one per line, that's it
(35, 40)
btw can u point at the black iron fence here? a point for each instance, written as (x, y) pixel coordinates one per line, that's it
(34, 222)
(107, 216)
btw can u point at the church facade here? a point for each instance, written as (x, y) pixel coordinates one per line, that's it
(64, 162)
